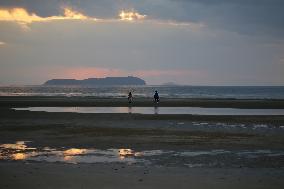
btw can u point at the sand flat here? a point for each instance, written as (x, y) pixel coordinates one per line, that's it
(39, 175)
(206, 151)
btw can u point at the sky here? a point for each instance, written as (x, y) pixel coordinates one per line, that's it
(188, 42)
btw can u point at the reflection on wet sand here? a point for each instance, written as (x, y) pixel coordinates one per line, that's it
(19, 156)
(129, 109)
(123, 153)
(68, 155)
(156, 110)
(19, 145)
(68, 158)
(19, 151)
(159, 110)
(74, 151)
(16, 151)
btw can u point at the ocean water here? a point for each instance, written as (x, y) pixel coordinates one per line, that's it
(236, 92)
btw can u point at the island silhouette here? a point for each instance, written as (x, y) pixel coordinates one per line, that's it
(130, 80)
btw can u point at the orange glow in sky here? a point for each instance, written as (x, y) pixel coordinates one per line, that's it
(97, 72)
(91, 72)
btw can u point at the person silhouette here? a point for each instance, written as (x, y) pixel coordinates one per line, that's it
(130, 97)
(156, 97)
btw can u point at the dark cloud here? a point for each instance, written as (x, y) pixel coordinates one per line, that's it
(100, 8)
(243, 16)
(250, 17)
(40, 7)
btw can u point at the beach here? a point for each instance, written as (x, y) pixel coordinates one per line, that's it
(123, 94)
(137, 150)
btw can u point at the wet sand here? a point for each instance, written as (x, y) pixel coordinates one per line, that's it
(21, 101)
(44, 175)
(143, 132)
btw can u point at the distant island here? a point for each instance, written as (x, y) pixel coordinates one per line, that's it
(170, 84)
(98, 81)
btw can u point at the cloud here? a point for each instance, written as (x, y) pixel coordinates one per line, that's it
(159, 73)
(21, 16)
(131, 15)
(84, 43)
(249, 17)
(18, 15)
(24, 18)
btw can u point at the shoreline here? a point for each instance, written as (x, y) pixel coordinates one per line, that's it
(37, 101)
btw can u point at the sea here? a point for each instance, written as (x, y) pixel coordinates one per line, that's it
(232, 92)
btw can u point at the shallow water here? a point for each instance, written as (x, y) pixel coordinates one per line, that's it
(21, 151)
(238, 92)
(159, 110)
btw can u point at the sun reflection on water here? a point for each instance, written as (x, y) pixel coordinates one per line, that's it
(19, 145)
(68, 158)
(19, 156)
(123, 153)
(74, 151)
(19, 151)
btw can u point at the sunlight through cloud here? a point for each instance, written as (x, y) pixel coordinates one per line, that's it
(22, 16)
(131, 15)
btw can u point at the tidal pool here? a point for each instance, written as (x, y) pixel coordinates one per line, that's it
(159, 110)
(21, 151)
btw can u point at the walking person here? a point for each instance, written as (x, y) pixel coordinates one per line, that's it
(156, 97)
(130, 98)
